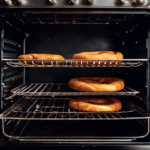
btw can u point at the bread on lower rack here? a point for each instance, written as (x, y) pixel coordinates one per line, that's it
(40, 56)
(96, 84)
(96, 104)
(100, 55)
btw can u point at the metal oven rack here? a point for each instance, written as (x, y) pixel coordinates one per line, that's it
(40, 109)
(62, 89)
(32, 109)
(74, 63)
(37, 108)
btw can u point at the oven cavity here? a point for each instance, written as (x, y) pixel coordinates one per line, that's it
(35, 96)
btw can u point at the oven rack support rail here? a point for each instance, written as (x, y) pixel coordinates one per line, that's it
(62, 89)
(33, 108)
(75, 62)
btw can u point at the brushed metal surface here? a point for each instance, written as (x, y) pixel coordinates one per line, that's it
(80, 4)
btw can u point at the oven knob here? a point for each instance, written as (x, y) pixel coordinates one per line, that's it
(8, 2)
(141, 2)
(123, 1)
(90, 1)
(19, 1)
(73, 2)
(53, 2)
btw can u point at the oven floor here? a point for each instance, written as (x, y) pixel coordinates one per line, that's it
(73, 129)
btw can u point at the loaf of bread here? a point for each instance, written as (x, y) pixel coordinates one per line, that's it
(96, 84)
(100, 55)
(40, 56)
(96, 104)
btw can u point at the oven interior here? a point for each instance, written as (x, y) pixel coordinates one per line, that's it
(68, 34)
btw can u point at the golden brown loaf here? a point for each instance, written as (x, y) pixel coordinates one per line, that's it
(94, 84)
(96, 104)
(40, 56)
(100, 55)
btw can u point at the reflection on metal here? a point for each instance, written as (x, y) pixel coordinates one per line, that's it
(74, 63)
(40, 108)
(62, 89)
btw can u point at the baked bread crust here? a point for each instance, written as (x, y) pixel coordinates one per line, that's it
(96, 84)
(96, 104)
(40, 56)
(100, 55)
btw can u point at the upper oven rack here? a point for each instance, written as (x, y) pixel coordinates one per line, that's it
(126, 63)
(62, 89)
(36, 108)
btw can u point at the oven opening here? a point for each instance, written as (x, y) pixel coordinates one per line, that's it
(35, 97)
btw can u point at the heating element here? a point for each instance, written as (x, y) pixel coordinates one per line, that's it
(72, 19)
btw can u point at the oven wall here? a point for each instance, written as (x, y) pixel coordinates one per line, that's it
(12, 45)
(136, 41)
(68, 40)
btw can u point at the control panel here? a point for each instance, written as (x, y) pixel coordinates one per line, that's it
(75, 3)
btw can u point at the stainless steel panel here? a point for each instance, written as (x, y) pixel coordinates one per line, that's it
(80, 4)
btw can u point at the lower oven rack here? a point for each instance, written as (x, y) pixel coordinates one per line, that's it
(35, 111)
(75, 62)
(62, 89)
(37, 108)
(26, 134)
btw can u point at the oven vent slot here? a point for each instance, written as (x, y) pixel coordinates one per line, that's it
(72, 19)
(74, 63)
(62, 89)
(58, 109)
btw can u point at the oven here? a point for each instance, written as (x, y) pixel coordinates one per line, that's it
(34, 97)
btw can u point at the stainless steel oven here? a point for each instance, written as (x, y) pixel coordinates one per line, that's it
(34, 97)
